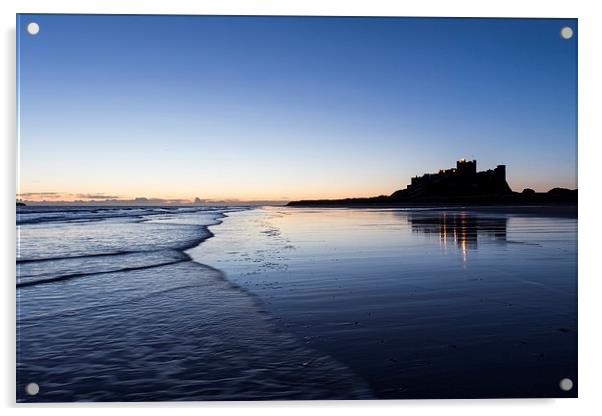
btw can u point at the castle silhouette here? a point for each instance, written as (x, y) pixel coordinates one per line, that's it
(461, 185)
(463, 180)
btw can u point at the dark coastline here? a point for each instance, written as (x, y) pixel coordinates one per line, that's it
(556, 202)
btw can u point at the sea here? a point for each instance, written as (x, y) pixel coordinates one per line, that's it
(279, 303)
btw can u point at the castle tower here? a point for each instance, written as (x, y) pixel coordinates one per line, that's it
(466, 167)
(500, 172)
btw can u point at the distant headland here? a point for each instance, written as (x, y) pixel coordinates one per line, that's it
(460, 185)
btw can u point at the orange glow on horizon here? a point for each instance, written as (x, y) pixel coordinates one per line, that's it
(186, 191)
(52, 196)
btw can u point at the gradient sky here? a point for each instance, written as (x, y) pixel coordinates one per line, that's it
(277, 108)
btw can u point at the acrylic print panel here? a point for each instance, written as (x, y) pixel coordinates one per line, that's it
(270, 208)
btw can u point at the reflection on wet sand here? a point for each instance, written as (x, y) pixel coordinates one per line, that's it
(459, 229)
(419, 303)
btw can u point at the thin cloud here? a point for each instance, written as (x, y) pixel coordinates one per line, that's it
(39, 194)
(96, 196)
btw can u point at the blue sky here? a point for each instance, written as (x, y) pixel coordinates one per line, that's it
(288, 107)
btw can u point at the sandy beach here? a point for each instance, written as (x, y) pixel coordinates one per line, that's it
(419, 303)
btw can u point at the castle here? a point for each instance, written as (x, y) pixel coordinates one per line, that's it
(459, 185)
(463, 180)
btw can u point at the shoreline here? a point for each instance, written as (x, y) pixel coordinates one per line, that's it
(362, 389)
(226, 323)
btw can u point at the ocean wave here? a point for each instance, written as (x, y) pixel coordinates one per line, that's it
(176, 332)
(34, 272)
(44, 214)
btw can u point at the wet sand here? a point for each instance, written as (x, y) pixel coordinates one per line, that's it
(420, 304)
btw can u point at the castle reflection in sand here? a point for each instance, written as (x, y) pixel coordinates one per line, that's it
(459, 229)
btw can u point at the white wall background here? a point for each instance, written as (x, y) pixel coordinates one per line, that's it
(590, 136)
